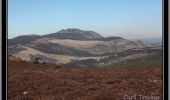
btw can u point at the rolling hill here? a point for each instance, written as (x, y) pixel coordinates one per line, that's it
(79, 47)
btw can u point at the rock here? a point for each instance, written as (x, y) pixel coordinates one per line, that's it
(25, 92)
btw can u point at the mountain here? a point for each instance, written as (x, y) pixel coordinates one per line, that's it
(153, 40)
(72, 33)
(75, 34)
(157, 41)
(24, 39)
(79, 47)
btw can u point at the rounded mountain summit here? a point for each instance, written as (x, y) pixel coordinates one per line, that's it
(75, 34)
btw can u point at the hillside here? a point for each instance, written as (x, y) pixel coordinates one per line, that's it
(79, 47)
(27, 81)
(75, 34)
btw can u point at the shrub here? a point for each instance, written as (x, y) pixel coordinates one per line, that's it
(36, 61)
(58, 67)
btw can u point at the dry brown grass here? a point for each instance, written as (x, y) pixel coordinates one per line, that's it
(27, 81)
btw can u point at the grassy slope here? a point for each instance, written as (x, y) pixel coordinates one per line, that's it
(150, 62)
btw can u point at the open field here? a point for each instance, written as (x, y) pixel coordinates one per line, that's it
(27, 81)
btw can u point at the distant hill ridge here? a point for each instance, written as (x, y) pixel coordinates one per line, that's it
(74, 33)
(80, 47)
(70, 33)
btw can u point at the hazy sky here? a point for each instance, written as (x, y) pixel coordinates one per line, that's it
(126, 18)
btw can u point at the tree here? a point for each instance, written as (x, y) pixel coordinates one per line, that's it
(36, 61)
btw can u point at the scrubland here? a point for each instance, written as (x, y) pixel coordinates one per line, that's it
(28, 81)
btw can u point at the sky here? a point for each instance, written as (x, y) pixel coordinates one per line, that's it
(125, 18)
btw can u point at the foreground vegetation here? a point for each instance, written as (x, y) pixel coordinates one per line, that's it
(28, 81)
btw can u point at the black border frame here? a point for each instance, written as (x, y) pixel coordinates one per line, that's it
(165, 50)
(4, 33)
(4, 49)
